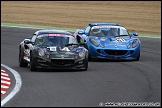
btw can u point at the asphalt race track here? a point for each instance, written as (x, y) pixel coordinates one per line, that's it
(104, 81)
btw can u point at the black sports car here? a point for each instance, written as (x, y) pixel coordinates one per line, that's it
(52, 49)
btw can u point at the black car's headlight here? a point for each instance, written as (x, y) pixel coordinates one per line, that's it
(41, 52)
(135, 43)
(81, 54)
(94, 42)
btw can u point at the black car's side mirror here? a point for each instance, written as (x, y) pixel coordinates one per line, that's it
(27, 41)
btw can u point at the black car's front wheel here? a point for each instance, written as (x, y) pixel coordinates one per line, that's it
(86, 67)
(22, 63)
(89, 56)
(32, 64)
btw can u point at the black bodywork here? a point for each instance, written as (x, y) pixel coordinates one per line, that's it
(52, 55)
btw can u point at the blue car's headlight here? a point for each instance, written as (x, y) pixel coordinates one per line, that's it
(128, 46)
(81, 54)
(101, 45)
(135, 43)
(94, 42)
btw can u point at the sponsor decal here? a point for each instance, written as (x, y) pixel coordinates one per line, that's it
(54, 34)
(103, 38)
(65, 49)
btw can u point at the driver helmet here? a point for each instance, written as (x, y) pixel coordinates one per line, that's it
(41, 40)
(96, 30)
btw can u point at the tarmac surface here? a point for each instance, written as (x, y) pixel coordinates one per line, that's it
(104, 81)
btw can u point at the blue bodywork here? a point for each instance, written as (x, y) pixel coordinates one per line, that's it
(119, 47)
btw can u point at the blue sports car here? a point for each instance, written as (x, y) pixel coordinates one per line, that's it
(109, 41)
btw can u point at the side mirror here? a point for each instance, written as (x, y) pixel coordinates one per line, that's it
(27, 41)
(134, 34)
(81, 32)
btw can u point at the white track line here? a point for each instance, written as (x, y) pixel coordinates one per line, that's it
(17, 85)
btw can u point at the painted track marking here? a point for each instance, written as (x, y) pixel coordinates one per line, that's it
(5, 82)
(17, 85)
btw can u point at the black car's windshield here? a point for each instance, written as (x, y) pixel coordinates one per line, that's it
(110, 31)
(54, 40)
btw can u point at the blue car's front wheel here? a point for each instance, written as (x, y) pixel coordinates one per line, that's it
(137, 59)
(89, 57)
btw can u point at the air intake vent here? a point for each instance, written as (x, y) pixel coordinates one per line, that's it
(116, 52)
(62, 62)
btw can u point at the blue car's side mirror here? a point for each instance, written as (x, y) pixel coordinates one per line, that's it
(81, 32)
(134, 34)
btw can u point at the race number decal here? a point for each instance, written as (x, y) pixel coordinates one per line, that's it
(52, 48)
(120, 39)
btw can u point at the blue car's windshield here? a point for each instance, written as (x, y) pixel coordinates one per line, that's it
(55, 40)
(110, 31)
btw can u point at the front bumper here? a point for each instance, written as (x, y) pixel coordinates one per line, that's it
(114, 54)
(61, 63)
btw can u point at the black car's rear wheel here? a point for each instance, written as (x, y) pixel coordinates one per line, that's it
(32, 64)
(22, 63)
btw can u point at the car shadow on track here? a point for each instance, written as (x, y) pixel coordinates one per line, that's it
(58, 70)
(108, 60)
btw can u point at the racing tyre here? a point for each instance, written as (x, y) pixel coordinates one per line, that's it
(78, 38)
(89, 57)
(32, 64)
(22, 63)
(138, 57)
(86, 67)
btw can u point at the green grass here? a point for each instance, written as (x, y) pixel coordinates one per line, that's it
(59, 28)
